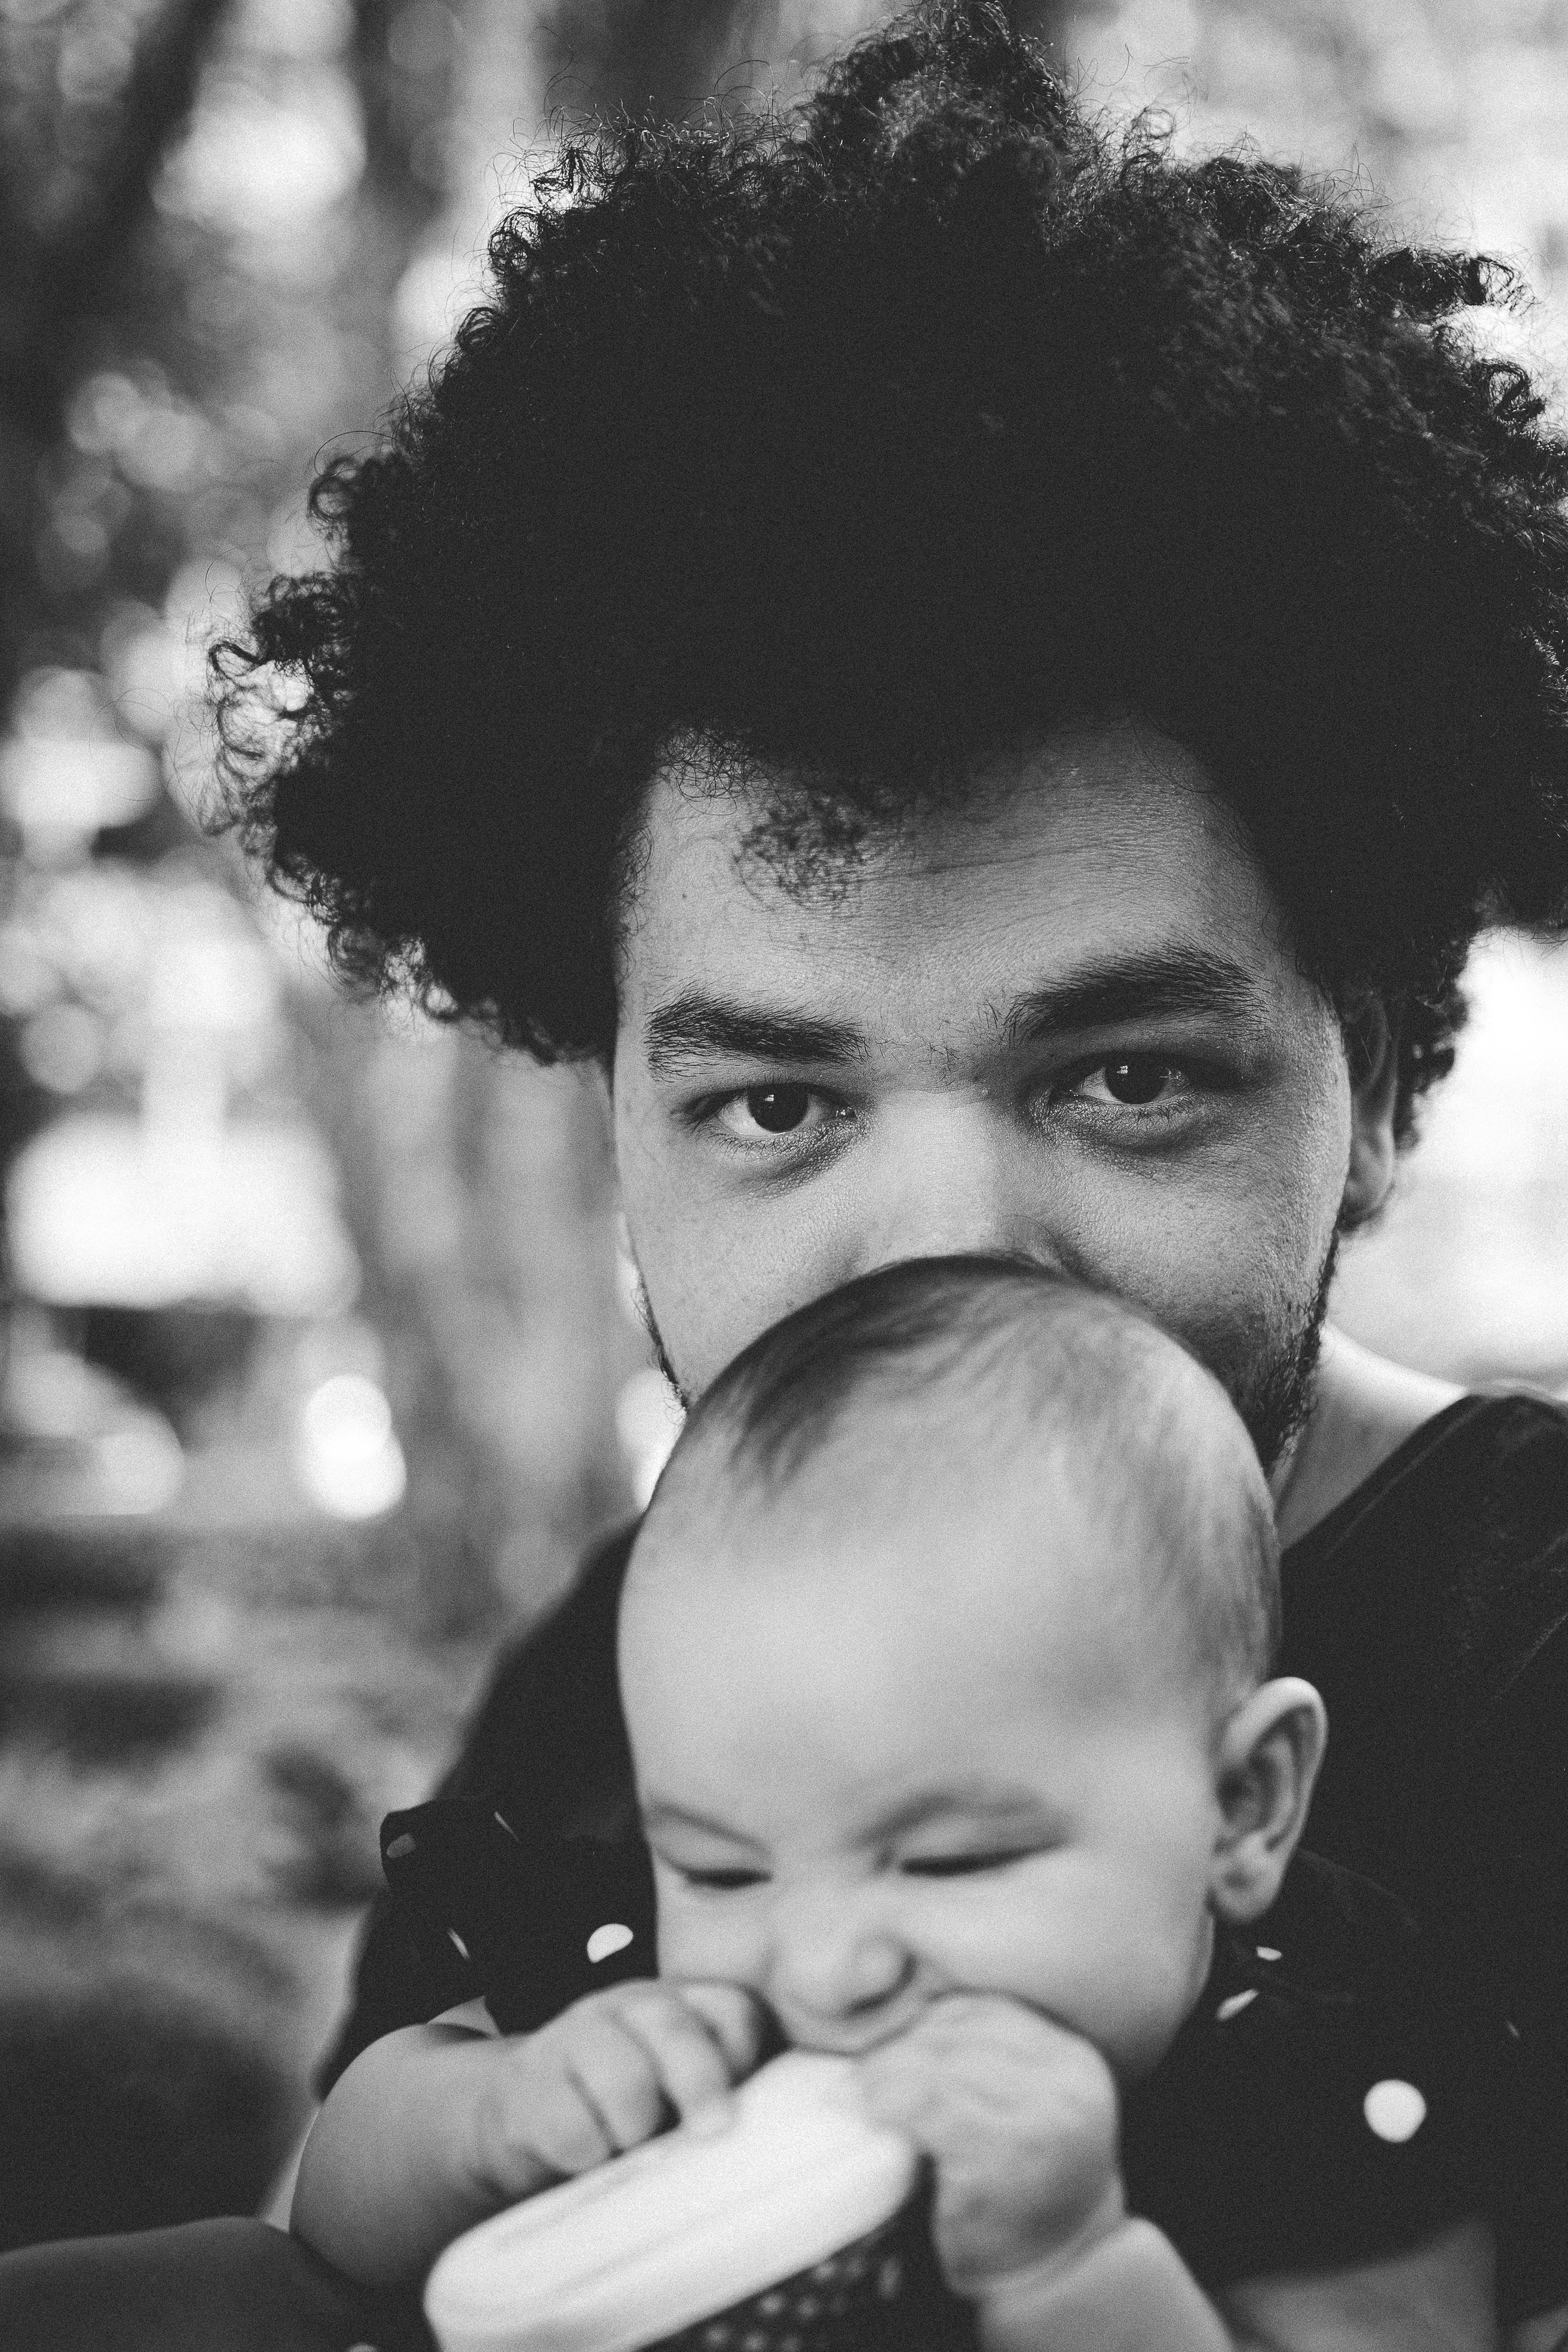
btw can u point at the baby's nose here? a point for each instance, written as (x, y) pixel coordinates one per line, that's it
(836, 1975)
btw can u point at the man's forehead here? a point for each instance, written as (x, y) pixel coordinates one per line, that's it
(1091, 883)
(1078, 793)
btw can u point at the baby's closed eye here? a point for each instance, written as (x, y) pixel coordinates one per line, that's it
(963, 1865)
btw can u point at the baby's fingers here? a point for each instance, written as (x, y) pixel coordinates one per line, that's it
(618, 2079)
(609, 2073)
(539, 2125)
(737, 2021)
(696, 2046)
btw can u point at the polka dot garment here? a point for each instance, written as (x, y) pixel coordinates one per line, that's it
(1339, 2093)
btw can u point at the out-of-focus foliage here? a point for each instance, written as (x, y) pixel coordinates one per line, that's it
(312, 1333)
(88, 92)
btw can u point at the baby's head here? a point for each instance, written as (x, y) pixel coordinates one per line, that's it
(945, 1650)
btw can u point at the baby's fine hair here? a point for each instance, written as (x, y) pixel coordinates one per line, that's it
(994, 1354)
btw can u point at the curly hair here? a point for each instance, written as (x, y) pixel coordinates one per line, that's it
(867, 441)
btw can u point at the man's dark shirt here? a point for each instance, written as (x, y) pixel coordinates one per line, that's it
(1430, 1608)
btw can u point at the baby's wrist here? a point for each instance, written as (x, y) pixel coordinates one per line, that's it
(1032, 2272)
(490, 2155)
(497, 2164)
(1121, 2281)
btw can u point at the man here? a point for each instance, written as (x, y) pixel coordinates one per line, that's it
(989, 678)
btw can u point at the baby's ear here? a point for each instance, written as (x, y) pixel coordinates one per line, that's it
(1269, 1752)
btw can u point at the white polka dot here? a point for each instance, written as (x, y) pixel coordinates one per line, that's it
(612, 1937)
(1233, 2005)
(457, 1943)
(1394, 2110)
(1267, 1952)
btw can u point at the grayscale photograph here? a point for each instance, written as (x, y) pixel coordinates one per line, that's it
(783, 1176)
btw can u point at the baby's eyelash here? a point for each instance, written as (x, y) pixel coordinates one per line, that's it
(955, 1865)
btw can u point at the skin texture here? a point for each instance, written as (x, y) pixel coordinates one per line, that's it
(928, 1124)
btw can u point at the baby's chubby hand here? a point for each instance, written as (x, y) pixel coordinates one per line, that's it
(1019, 2117)
(606, 2074)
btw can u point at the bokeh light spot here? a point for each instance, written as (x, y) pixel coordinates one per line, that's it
(349, 1460)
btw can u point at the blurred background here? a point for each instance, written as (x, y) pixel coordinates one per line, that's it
(317, 1365)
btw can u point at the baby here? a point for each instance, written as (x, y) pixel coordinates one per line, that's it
(944, 1656)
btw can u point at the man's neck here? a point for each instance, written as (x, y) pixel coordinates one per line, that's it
(1364, 1408)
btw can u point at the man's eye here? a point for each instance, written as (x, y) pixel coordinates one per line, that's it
(779, 1109)
(788, 1108)
(1133, 1080)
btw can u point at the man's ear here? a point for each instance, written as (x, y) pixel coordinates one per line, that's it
(1372, 1042)
(1268, 1758)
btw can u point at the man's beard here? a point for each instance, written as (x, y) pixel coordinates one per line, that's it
(1275, 1400)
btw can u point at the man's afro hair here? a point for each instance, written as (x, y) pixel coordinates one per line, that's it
(864, 442)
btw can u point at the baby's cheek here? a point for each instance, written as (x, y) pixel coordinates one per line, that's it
(1143, 1992)
(706, 1943)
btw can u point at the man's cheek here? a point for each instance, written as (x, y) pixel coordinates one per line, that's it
(1198, 1265)
(728, 1278)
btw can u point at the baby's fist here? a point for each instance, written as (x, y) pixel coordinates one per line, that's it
(1019, 2117)
(609, 2073)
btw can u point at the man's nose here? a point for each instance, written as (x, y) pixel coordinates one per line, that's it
(945, 1175)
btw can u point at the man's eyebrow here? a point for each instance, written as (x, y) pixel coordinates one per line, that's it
(1102, 994)
(698, 1022)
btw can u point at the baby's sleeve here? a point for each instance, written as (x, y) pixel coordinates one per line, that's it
(547, 1748)
(475, 2017)
(1344, 2089)
(537, 1920)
